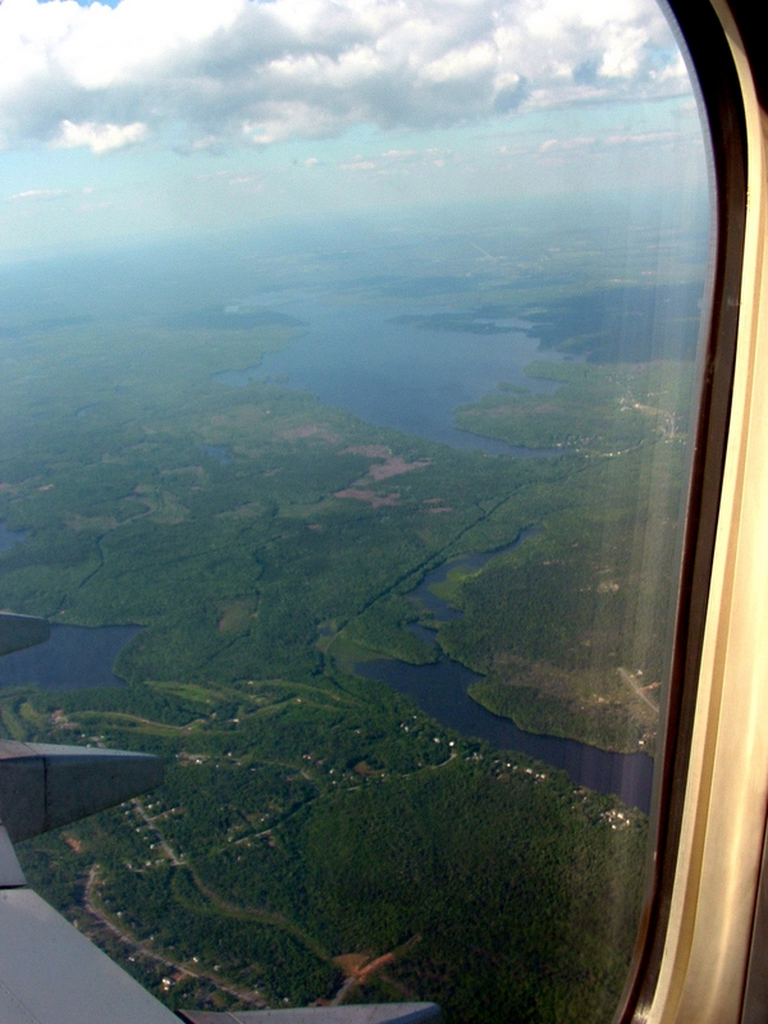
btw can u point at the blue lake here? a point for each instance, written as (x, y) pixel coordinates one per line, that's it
(397, 375)
(74, 658)
(9, 538)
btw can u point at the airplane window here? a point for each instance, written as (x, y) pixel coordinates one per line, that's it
(350, 366)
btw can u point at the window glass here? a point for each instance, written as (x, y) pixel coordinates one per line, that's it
(348, 365)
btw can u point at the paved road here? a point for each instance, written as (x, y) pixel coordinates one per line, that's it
(138, 806)
(246, 996)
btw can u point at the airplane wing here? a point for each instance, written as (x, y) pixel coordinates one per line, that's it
(370, 1013)
(49, 972)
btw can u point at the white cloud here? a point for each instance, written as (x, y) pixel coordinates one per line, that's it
(401, 154)
(560, 144)
(396, 161)
(100, 138)
(239, 72)
(641, 138)
(358, 164)
(37, 193)
(553, 148)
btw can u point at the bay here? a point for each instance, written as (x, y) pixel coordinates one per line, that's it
(74, 658)
(440, 689)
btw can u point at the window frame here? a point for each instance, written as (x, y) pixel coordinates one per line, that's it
(697, 928)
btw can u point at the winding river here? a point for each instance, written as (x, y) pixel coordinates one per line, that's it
(440, 689)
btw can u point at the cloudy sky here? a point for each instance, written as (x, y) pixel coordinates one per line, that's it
(152, 116)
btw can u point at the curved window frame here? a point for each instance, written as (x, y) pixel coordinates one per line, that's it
(696, 938)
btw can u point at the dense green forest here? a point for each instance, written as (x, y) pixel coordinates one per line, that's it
(600, 571)
(317, 836)
(297, 838)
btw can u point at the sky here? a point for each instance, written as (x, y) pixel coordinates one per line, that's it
(145, 118)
